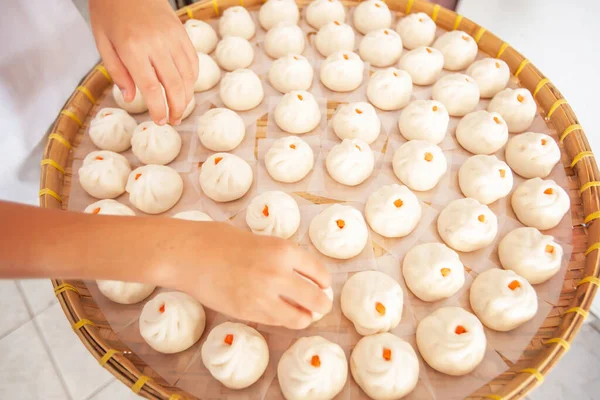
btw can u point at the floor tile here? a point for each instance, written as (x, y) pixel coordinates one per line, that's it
(14, 312)
(25, 368)
(38, 294)
(81, 372)
(115, 390)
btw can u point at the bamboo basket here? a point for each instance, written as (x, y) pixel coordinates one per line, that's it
(553, 338)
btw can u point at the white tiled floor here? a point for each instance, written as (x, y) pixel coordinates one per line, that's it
(42, 358)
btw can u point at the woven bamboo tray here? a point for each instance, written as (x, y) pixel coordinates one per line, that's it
(553, 338)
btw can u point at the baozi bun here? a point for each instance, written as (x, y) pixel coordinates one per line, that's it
(209, 73)
(136, 106)
(416, 30)
(350, 162)
(321, 12)
(467, 225)
(491, 75)
(108, 207)
(423, 64)
(203, 36)
(155, 144)
(234, 52)
(459, 93)
(237, 21)
(393, 211)
(241, 90)
(381, 48)
(342, 71)
(273, 213)
(516, 106)
(154, 189)
(297, 112)
(103, 174)
(221, 129)
(235, 354)
(424, 120)
(225, 177)
(389, 89)
(372, 15)
(172, 322)
(291, 72)
(289, 159)
(459, 49)
(275, 11)
(283, 39)
(357, 121)
(333, 37)
(111, 129)
(420, 165)
(125, 292)
(193, 215)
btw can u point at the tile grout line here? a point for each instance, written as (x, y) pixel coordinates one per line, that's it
(100, 389)
(28, 305)
(45, 344)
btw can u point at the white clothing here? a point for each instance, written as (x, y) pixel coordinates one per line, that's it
(47, 48)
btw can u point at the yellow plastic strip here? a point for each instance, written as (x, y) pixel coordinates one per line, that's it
(140, 383)
(60, 139)
(103, 71)
(87, 93)
(577, 310)
(81, 323)
(49, 161)
(409, 6)
(521, 66)
(435, 12)
(593, 280)
(502, 48)
(215, 7)
(566, 345)
(540, 85)
(555, 106)
(189, 12)
(242, 3)
(595, 246)
(567, 131)
(72, 115)
(589, 185)
(479, 34)
(64, 287)
(591, 217)
(535, 372)
(580, 156)
(457, 21)
(493, 396)
(49, 192)
(107, 356)
(175, 396)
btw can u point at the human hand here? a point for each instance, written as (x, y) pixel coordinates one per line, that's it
(246, 276)
(143, 43)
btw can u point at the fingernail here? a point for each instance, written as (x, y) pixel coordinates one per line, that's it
(124, 93)
(162, 122)
(178, 122)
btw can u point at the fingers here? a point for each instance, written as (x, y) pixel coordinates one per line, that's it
(186, 72)
(312, 268)
(171, 80)
(115, 67)
(291, 316)
(306, 294)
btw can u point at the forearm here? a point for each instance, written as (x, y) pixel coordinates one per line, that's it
(41, 243)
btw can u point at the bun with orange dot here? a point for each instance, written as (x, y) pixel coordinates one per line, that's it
(424, 120)
(357, 121)
(335, 36)
(517, 107)
(371, 15)
(291, 72)
(419, 165)
(273, 213)
(342, 71)
(502, 299)
(491, 75)
(482, 132)
(297, 112)
(155, 144)
(108, 207)
(384, 366)
(393, 211)
(433, 271)
(321, 12)
(451, 340)
(459, 49)
(103, 174)
(235, 354)
(459, 93)
(290, 159)
(111, 129)
(381, 47)
(389, 89)
(467, 225)
(424, 65)
(154, 189)
(416, 29)
(372, 301)
(339, 231)
(225, 177)
(540, 203)
(350, 162)
(532, 255)
(172, 322)
(485, 178)
(532, 154)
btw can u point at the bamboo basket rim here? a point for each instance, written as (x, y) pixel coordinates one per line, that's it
(520, 379)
